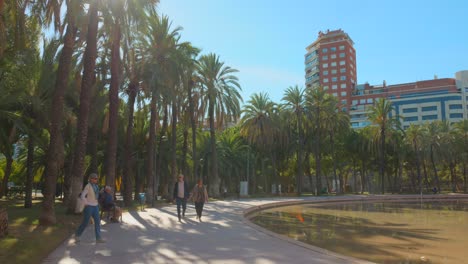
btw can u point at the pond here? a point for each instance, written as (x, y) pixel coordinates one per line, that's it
(381, 232)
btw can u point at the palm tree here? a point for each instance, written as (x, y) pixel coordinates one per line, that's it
(88, 79)
(461, 129)
(295, 98)
(336, 121)
(47, 216)
(379, 115)
(258, 125)
(317, 101)
(414, 136)
(221, 92)
(160, 44)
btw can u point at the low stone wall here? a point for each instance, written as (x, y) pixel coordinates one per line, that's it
(3, 222)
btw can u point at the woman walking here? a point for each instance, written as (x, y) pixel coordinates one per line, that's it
(89, 195)
(200, 197)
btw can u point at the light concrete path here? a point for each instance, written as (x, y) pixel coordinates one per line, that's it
(224, 236)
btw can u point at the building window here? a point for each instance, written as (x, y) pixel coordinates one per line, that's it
(335, 94)
(342, 62)
(355, 102)
(342, 47)
(411, 118)
(370, 100)
(429, 117)
(324, 57)
(325, 65)
(343, 93)
(333, 71)
(362, 101)
(325, 72)
(456, 115)
(333, 49)
(343, 78)
(334, 79)
(325, 87)
(324, 50)
(343, 85)
(342, 54)
(333, 56)
(344, 102)
(456, 106)
(325, 80)
(410, 110)
(334, 86)
(333, 64)
(428, 108)
(343, 70)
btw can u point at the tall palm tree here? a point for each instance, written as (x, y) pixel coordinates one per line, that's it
(88, 80)
(317, 101)
(294, 98)
(336, 121)
(160, 44)
(461, 129)
(379, 115)
(221, 92)
(47, 216)
(258, 123)
(414, 136)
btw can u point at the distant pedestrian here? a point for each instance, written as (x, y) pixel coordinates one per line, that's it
(89, 195)
(199, 196)
(181, 194)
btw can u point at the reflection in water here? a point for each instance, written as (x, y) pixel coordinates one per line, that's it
(382, 232)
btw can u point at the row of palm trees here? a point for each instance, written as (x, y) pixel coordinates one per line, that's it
(116, 91)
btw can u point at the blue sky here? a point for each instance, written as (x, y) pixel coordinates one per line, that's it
(396, 41)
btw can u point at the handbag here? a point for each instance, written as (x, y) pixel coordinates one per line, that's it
(80, 205)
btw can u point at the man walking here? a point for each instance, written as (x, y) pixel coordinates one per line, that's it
(181, 194)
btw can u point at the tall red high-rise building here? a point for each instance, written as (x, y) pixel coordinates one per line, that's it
(330, 62)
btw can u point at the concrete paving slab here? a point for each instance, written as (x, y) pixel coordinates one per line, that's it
(224, 236)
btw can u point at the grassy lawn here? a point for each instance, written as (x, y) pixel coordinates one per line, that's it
(27, 242)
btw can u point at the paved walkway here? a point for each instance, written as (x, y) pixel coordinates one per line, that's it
(156, 236)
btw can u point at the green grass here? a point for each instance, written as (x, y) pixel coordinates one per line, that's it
(23, 242)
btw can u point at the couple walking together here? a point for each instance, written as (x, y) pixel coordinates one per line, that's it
(199, 196)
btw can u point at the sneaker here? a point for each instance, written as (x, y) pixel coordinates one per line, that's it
(183, 214)
(100, 240)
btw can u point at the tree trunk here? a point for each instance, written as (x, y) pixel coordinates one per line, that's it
(29, 173)
(151, 191)
(47, 215)
(436, 176)
(174, 140)
(194, 130)
(300, 152)
(6, 176)
(128, 150)
(113, 106)
(183, 166)
(214, 179)
(89, 66)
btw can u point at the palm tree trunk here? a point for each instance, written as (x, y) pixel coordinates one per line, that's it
(47, 215)
(382, 158)
(183, 166)
(29, 173)
(300, 152)
(214, 179)
(150, 174)
(113, 106)
(89, 66)
(436, 176)
(128, 151)
(194, 131)
(174, 140)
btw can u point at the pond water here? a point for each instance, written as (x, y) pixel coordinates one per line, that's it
(382, 232)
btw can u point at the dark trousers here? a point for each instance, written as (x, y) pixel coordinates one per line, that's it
(181, 202)
(199, 208)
